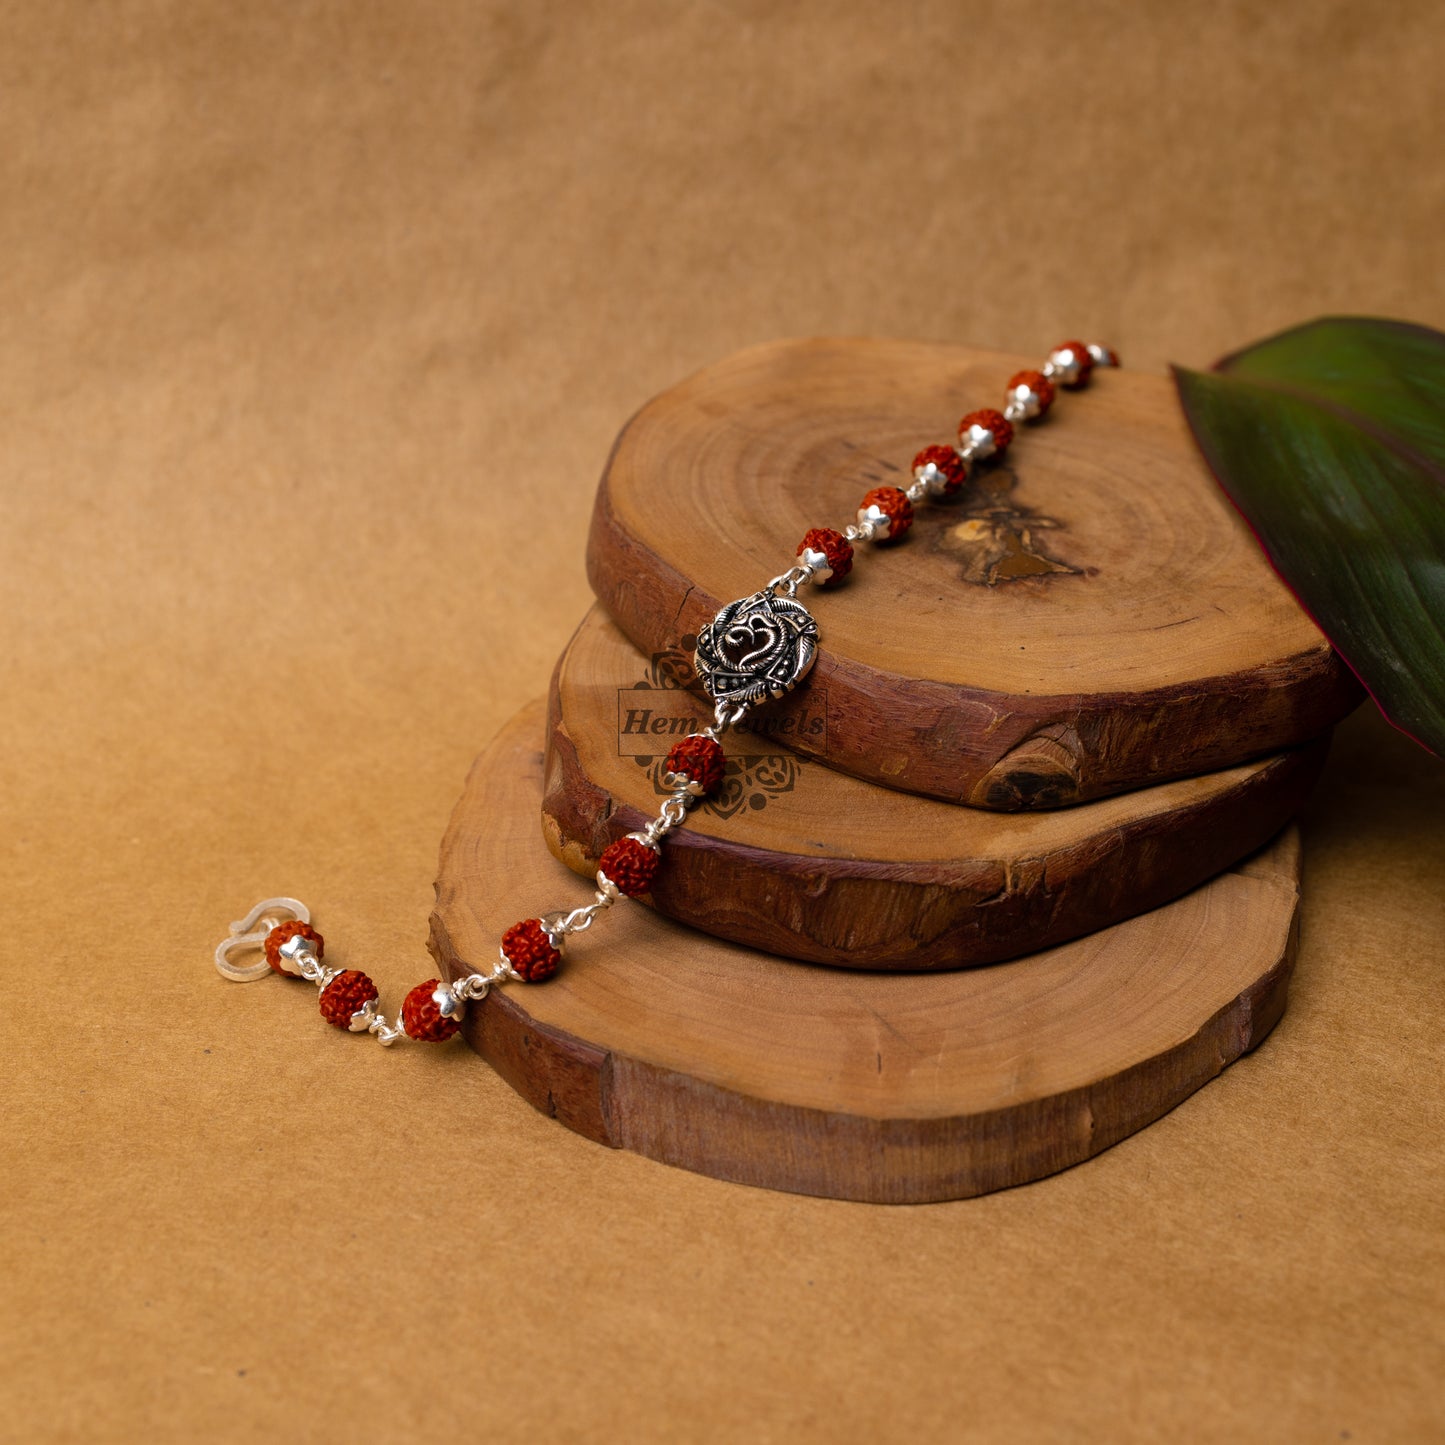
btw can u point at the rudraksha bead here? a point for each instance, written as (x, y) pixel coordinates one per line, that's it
(346, 996)
(700, 760)
(897, 511)
(530, 951)
(422, 1019)
(629, 865)
(1073, 364)
(1039, 384)
(999, 428)
(284, 932)
(835, 547)
(947, 463)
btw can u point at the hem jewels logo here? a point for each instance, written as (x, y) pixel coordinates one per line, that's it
(654, 712)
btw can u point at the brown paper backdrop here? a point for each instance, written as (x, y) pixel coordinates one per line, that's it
(316, 322)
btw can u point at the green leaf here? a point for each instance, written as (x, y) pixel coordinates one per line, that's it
(1330, 439)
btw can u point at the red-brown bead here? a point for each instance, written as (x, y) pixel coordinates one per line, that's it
(283, 933)
(1082, 359)
(530, 951)
(894, 505)
(991, 420)
(698, 759)
(835, 547)
(345, 995)
(1037, 383)
(422, 1019)
(629, 864)
(948, 461)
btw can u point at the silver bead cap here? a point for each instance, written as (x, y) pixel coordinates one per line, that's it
(817, 564)
(296, 953)
(976, 443)
(875, 522)
(449, 1006)
(681, 783)
(931, 481)
(363, 1018)
(1025, 398)
(1064, 366)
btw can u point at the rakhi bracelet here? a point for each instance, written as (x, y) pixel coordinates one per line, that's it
(756, 648)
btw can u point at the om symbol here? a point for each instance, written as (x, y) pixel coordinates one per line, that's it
(759, 646)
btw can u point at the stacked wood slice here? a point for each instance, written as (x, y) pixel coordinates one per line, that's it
(1059, 730)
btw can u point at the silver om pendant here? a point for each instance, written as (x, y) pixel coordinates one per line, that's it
(759, 646)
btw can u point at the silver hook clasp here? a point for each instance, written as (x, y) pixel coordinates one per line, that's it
(251, 931)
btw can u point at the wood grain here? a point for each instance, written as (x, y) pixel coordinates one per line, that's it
(896, 1089)
(1089, 617)
(803, 861)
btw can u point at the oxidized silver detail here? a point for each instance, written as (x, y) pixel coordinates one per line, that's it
(759, 646)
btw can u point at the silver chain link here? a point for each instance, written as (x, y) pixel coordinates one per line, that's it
(728, 715)
(579, 920)
(786, 583)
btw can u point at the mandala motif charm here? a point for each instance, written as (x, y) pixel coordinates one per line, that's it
(759, 646)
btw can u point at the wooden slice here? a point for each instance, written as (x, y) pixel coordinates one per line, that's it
(807, 862)
(1089, 616)
(885, 1087)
